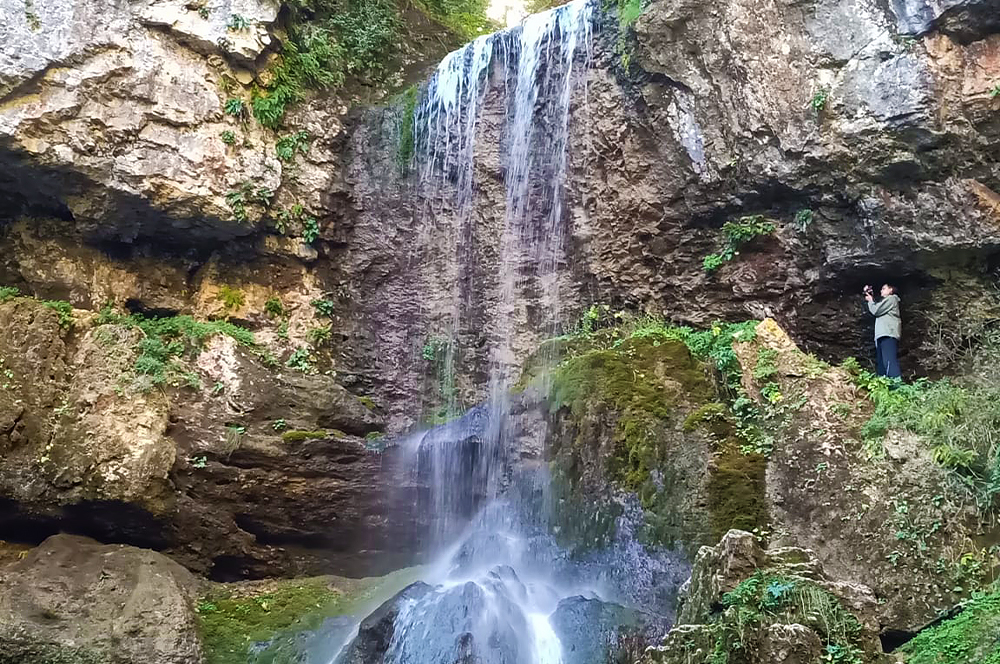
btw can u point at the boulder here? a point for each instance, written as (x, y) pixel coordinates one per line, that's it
(74, 600)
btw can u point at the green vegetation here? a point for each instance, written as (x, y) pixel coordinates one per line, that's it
(367, 402)
(735, 235)
(165, 341)
(290, 145)
(235, 107)
(320, 335)
(439, 353)
(803, 220)
(237, 23)
(204, 12)
(279, 424)
(819, 100)
(995, 92)
(230, 625)
(228, 137)
(297, 215)
(324, 307)
(331, 40)
(34, 23)
(301, 360)
(61, 307)
(310, 229)
(231, 298)
(298, 435)
(247, 195)
(971, 636)
(407, 134)
(766, 599)
(273, 307)
(957, 421)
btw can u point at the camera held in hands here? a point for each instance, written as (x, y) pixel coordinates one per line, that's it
(868, 290)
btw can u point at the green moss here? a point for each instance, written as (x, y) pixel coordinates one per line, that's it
(298, 435)
(582, 522)
(407, 134)
(973, 636)
(24, 652)
(367, 402)
(766, 599)
(641, 381)
(231, 625)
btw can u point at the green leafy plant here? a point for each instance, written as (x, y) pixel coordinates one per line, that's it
(301, 360)
(232, 298)
(320, 335)
(237, 22)
(803, 219)
(8, 293)
(288, 146)
(310, 229)
(819, 100)
(63, 309)
(235, 107)
(201, 462)
(735, 235)
(324, 307)
(995, 92)
(228, 137)
(434, 348)
(279, 425)
(273, 307)
(204, 12)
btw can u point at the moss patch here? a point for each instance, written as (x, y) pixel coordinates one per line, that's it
(48, 653)
(736, 481)
(972, 636)
(299, 435)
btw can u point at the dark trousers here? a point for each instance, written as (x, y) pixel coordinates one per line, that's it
(885, 351)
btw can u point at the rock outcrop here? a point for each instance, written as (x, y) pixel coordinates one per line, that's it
(234, 466)
(75, 600)
(747, 605)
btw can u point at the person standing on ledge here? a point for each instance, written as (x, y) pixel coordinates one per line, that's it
(887, 329)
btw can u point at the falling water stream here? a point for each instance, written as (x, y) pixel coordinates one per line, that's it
(501, 590)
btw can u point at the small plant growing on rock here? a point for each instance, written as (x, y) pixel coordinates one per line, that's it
(803, 219)
(279, 425)
(735, 235)
(8, 293)
(199, 462)
(288, 146)
(63, 309)
(235, 107)
(320, 335)
(204, 12)
(995, 92)
(237, 22)
(231, 298)
(228, 137)
(819, 100)
(273, 307)
(310, 230)
(301, 360)
(324, 307)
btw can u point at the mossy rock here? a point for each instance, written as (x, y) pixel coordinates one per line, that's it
(265, 622)
(34, 653)
(299, 435)
(971, 637)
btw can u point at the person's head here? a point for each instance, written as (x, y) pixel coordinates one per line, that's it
(887, 290)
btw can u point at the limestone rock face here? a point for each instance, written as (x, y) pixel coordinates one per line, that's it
(906, 516)
(768, 587)
(74, 600)
(110, 117)
(241, 475)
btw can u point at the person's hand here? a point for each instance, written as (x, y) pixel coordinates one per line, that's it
(869, 298)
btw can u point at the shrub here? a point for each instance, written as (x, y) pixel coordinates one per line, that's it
(64, 311)
(231, 298)
(324, 307)
(273, 307)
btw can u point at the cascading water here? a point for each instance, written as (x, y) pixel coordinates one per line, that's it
(501, 591)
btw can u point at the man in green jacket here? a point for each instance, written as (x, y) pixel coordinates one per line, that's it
(887, 329)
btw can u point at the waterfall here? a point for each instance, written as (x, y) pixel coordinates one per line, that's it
(495, 592)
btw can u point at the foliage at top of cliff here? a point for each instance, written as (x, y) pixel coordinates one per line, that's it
(331, 41)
